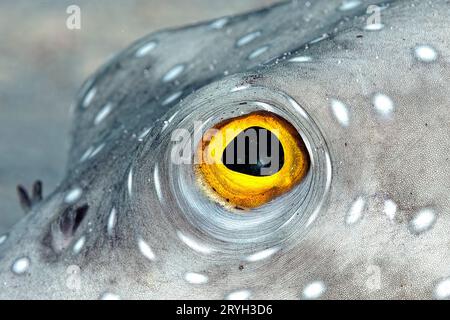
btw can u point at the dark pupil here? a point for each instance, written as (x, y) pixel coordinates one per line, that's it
(255, 151)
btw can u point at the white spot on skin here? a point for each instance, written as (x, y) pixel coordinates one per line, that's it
(383, 104)
(103, 113)
(157, 183)
(301, 59)
(109, 296)
(425, 53)
(264, 106)
(321, 38)
(78, 246)
(173, 73)
(248, 38)
(144, 134)
(86, 155)
(3, 239)
(130, 182)
(111, 221)
(442, 290)
(146, 251)
(165, 125)
(258, 52)
(261, 255)
(195, 278)
(172, 116)
(97, 151)
(194, 244)
(21, 265)
(329, 170)
(73, 196)
(89, 97)
(390, 209)
(422, 221)
(219, 24)
(172, 98)
(340, 112)
(355, 212)
(349, 5)
(298, 108)
(374, 27)
(240, 88)
(314, 290)
(239, 295)
(145, 49)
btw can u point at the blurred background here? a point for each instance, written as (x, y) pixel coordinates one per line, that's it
(43, 63)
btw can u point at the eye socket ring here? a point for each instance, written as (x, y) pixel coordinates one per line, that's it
(181, 207)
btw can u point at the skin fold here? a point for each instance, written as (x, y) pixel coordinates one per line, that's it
(379, 97)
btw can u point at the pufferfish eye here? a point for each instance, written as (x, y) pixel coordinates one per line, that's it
(249, 160)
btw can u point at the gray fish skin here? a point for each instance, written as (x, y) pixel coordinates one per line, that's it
(382, 232)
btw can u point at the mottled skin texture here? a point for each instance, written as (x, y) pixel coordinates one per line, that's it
(405, 158)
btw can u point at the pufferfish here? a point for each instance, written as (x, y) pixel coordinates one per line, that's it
(357, 95)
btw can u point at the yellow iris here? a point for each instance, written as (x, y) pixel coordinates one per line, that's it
(244, 190)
